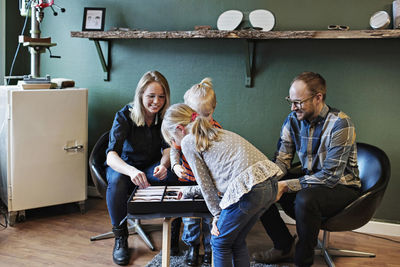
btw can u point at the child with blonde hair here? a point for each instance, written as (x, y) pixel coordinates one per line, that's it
(224, 164)
(200, 97)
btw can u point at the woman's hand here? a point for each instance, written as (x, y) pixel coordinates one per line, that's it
(139, 179)
(160, 172)
(179, 170)
(214, 230)
(117, 164)
(282, 188)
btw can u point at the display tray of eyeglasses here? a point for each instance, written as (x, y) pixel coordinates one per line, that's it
(162, 201)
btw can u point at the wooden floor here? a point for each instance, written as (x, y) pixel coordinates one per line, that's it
(59, 236)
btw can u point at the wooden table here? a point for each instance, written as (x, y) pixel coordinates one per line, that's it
(167, 210)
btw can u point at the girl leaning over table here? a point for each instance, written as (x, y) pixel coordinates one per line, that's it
(224, 164)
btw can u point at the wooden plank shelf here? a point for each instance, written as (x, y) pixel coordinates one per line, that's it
(250, 36)
(242, 34)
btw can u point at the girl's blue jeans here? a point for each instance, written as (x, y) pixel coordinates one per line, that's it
(236, 221)
(192, 228)
(120, 187)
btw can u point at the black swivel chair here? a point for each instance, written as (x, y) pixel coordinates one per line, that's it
(374, 167)
(98, 173)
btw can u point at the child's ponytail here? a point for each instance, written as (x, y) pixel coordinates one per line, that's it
(204, 133)
(201, 97)
(200, 127)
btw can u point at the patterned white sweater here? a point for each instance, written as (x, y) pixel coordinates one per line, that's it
(231, 166)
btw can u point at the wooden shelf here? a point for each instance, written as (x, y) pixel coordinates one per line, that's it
(243, 34)
(250, 36)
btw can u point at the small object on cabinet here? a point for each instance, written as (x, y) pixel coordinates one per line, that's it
(63, 83)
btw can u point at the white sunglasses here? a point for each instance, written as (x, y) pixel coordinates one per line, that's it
(260, 19)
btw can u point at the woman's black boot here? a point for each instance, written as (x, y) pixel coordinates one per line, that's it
(121, 249)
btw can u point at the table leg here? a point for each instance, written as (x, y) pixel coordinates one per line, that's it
(166, 241)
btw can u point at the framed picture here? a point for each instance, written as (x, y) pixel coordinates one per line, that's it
(93, 19)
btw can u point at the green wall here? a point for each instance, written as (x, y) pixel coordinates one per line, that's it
(14, 24)
(362, 75)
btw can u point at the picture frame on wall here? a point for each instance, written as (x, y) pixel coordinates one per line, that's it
(93, 19)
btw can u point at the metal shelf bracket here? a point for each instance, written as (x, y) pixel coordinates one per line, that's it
(106, 65)
(249, 60)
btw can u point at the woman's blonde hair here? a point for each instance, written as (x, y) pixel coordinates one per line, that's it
(201, 97)
(138, 110)
(199, 126)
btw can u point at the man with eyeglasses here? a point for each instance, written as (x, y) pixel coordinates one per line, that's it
(324, 140)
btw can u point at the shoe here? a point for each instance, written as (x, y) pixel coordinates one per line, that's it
(207, 257)
(193, 256)
(121, 249)
(175, 232)
(274, 255)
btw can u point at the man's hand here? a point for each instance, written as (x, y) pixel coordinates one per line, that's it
(160, 172)
(214, 230)
(139, 179)
(282, 188)
(180, 171)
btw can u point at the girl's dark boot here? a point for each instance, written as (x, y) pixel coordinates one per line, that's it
(192, 257)
(175, 232)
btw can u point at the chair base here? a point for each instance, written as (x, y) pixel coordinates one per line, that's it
(327, 252)
(134, 227)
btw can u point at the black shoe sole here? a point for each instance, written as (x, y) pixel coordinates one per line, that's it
(122, 263)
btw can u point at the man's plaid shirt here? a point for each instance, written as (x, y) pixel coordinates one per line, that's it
(326, 148)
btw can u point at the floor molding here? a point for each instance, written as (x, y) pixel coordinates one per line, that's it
(372, 227)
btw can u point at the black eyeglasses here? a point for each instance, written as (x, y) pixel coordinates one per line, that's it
(297, 103)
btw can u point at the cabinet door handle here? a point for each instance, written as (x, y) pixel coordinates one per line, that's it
(77, 147)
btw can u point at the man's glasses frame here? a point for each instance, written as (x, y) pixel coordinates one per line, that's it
(298, 103)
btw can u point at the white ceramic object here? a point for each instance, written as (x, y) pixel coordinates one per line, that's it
(379, 20)
(263, 19)
(229, 20)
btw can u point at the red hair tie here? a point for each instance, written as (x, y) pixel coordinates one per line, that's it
(194, 116)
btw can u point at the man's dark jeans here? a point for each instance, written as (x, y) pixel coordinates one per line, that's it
(309, 207)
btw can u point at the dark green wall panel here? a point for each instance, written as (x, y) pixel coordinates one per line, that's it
(362, 75)
(14, 25)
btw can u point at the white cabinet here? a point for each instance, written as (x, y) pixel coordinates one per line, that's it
(43, 148)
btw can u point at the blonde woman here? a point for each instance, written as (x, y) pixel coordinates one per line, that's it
(136, 153)
(224, 164)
